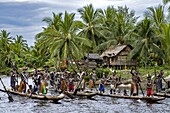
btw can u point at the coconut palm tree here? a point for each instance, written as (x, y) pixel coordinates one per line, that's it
(120, 23)
(19, 49)
(91, 29)
(165, 40)
(5, 48)
(65, 43)
(157, 15)
(146, 43)
(165, 1)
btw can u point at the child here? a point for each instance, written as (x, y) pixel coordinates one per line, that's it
(71, 85)
(101, 87)
(149, 87)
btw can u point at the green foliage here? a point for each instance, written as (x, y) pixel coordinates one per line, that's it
(66, 39)
(87, 78)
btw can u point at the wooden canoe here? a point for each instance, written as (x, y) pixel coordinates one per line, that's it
(40, 97)
(149, 99)
(83, 94)
(162, 94)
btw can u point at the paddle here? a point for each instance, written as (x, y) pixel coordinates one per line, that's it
(9, 96)
(75, 91)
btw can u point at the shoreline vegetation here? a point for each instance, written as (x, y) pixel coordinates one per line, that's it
(65, 41)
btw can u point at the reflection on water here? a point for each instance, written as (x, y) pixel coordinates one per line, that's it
(96, 105)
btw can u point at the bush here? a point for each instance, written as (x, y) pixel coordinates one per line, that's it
(87, 78)
(5, 71)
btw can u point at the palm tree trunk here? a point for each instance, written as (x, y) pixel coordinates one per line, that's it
(58, 66)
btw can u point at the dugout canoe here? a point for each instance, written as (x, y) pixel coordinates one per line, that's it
(167, 95)
(40, 97)
(83, 94)
(149, 99)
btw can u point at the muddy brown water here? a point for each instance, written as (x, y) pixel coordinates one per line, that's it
(96, 105)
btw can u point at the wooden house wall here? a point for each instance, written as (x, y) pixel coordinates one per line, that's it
(120, 59)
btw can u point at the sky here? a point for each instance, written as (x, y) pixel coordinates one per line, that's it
(24, 17)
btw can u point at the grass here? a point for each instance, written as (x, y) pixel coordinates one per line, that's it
(143, 72)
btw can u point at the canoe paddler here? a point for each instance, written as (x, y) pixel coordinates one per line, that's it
(71, 82)
(92, 79)
(159, 81)
(101, 87)
(113, 84)
(149, 86)
(24, 81)
(12, 80)
(135, 82)
(81, 79)
(64, 84)
(43, 86)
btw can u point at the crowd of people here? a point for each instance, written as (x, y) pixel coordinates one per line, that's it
(67, 81)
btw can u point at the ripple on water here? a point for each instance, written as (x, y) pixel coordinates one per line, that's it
(98, 105)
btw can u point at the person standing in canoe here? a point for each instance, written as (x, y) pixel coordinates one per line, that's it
(149, 86)
(101, 86)
(159, 81)
(24, 81)
(102, 83)
(64, 84)
(92, 79)
(114, 80)
(43, 89)
(37, 82)
(81, 79)
(71, 82)
(53, 78)
(46, 73)
(13, 80)
(134, 83)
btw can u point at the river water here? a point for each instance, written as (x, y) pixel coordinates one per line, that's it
(96, 105)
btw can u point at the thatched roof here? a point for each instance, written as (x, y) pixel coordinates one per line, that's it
(113, 50)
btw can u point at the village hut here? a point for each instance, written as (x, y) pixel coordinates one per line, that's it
(117, 56)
